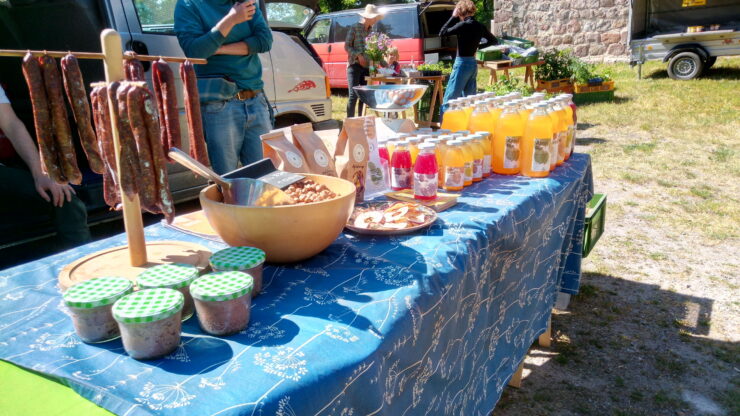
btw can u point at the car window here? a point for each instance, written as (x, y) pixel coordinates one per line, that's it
(156, 16)
(399, 25)
(281, 14)
(319, 32)
(341, 25)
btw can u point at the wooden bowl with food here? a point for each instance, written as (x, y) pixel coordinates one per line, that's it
(287, 233)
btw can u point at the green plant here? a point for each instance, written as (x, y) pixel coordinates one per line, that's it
(507, 85)
(444, 68)
(558, 65)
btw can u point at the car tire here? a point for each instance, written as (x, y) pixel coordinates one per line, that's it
(685, 66)
(710, 61)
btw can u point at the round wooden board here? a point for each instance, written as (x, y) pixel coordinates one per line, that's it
(115, 261)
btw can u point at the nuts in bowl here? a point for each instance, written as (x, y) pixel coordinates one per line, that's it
(308, 191)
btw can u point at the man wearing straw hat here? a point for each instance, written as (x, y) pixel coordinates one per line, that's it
(230, 34)
(354, 44)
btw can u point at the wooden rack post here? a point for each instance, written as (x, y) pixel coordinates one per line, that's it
(111, 42)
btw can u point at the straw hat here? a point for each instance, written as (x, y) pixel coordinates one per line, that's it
(370, 12)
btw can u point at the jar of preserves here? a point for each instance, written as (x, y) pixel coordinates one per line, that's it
(90, 303)
(150, 322)
(171, 276)
(223, 300)
(241, 259)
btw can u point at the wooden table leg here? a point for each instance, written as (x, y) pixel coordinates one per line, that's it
(545, 339)
(437, 85)
(516, 379)
(495, 75)
(506, 73)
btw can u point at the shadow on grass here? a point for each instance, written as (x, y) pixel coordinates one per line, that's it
(714, 73)
(586, 141)
(625, 347)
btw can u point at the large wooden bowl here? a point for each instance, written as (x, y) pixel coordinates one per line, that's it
(286, 233)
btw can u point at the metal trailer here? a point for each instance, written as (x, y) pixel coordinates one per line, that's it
(658, 29)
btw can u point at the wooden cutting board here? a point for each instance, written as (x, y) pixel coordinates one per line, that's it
(195, 223)
(443, 201)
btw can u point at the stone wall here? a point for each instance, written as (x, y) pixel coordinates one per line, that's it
(593, 29)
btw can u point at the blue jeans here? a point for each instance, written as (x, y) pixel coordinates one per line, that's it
(233, 129)
(462, 80)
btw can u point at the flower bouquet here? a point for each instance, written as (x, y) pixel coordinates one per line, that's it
(376, 47)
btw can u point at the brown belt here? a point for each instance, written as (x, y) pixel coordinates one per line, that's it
(247, 94)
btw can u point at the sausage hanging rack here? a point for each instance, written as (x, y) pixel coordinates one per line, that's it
(127, 261)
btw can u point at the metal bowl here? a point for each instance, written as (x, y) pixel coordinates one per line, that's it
(286, 233)
(390, 98)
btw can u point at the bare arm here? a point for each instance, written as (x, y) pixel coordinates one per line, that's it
(236, 48)
(23, 144)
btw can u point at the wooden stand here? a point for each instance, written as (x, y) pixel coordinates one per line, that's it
(505, 66)
(545, 339)
(516, 379)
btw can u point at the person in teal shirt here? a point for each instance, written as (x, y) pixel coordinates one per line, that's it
(230, 35)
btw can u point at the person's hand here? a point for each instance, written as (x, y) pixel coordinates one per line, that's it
(362, 61)
(53, 192)
(242, 12)
(456, 12)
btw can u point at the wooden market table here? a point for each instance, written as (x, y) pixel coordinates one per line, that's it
(505, 66)
(437, 93)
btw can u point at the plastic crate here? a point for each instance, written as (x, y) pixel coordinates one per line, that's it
(489, 55)
(514, 41)
(594, 223)
(559, 85)
(605, 86)
(593, 97)
(530, 59)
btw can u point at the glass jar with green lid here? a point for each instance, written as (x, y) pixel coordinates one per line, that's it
(172, 276)
(223, 300)
(150, 322)
(243, 259)
(90, 303)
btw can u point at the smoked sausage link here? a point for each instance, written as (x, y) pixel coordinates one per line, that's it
(62, 132)
(164, 87)
(164, 197)
(77, 97)
(133, 70)
(147, 180)
(128, 155)
(101, 116)
(42, 119)
(198, 150)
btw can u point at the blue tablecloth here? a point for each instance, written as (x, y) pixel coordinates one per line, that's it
(431, 323)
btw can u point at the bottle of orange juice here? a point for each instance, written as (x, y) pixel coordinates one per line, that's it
(525, 110)
(484, 138)
(555, 120)
(537, 143)
(454, 162)
(562, 129)
(439, 151)
(413, 143)
(477, 151)
(454, 118)
(481, 119)
(469, 160)
(507, 141)
(565, 99)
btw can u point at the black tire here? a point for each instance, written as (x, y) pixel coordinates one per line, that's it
(685, 66)
(710, 61)
(288, 120)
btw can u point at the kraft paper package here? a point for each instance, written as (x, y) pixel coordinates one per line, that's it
(375, 182)
(313, 149)
(284, 155)
(351, 154)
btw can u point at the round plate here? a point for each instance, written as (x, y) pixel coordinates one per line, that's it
(382, 206)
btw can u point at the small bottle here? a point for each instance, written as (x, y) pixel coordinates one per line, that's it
(536, 144)
(413, 144)
(477, 151)
(439, 151)
(484, 139)
(506, 142)
(454, 166)
(391, 146)
(385, 161)
(401, 168)
(426, 173)
(555, 121)
(468, 158)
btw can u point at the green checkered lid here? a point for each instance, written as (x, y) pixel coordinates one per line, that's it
(173, 276)
(97, 292)
(148, 305)
(222, 286)
(237, 258)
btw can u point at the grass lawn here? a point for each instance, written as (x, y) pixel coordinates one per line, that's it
(656, 328)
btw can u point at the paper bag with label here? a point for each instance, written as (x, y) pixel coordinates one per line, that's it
(375, 182)
(284, 155)
(351, 154)
(314, 151)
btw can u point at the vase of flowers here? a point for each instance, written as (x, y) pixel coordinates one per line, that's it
(376, 47)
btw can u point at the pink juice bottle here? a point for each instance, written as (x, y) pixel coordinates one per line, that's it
(426, 173)
(401, 168)
(385, 162)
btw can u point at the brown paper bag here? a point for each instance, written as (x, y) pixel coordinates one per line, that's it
(314, 151)
(351, 154)
(284, 155)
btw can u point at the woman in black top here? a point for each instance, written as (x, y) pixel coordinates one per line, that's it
(469, 34)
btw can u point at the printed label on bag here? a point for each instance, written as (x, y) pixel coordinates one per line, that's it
(541, 155)
(511, 152)
(425, 184)
(294, 159)
(359, 153)
(454, 177)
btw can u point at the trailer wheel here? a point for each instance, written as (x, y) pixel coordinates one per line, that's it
(685, 66)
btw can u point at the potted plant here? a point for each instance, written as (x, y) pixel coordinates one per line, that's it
(376, 47)
(556, 71)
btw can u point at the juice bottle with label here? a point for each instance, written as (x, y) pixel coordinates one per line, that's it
(481, 119)
(562, 129)
(439, 149)
(478, 154)
(555, 121)
(401, 168)
(385, 161)
(507, 141)
(454, 118)
(468, 107)
(572, 128)
(525, 110)
(468, 158)
(536, 144)
(413, 143)
(426, 173)
(454, 162)
(484, 139)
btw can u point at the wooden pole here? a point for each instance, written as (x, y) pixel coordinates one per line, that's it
(111, 41)
(96, 55)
